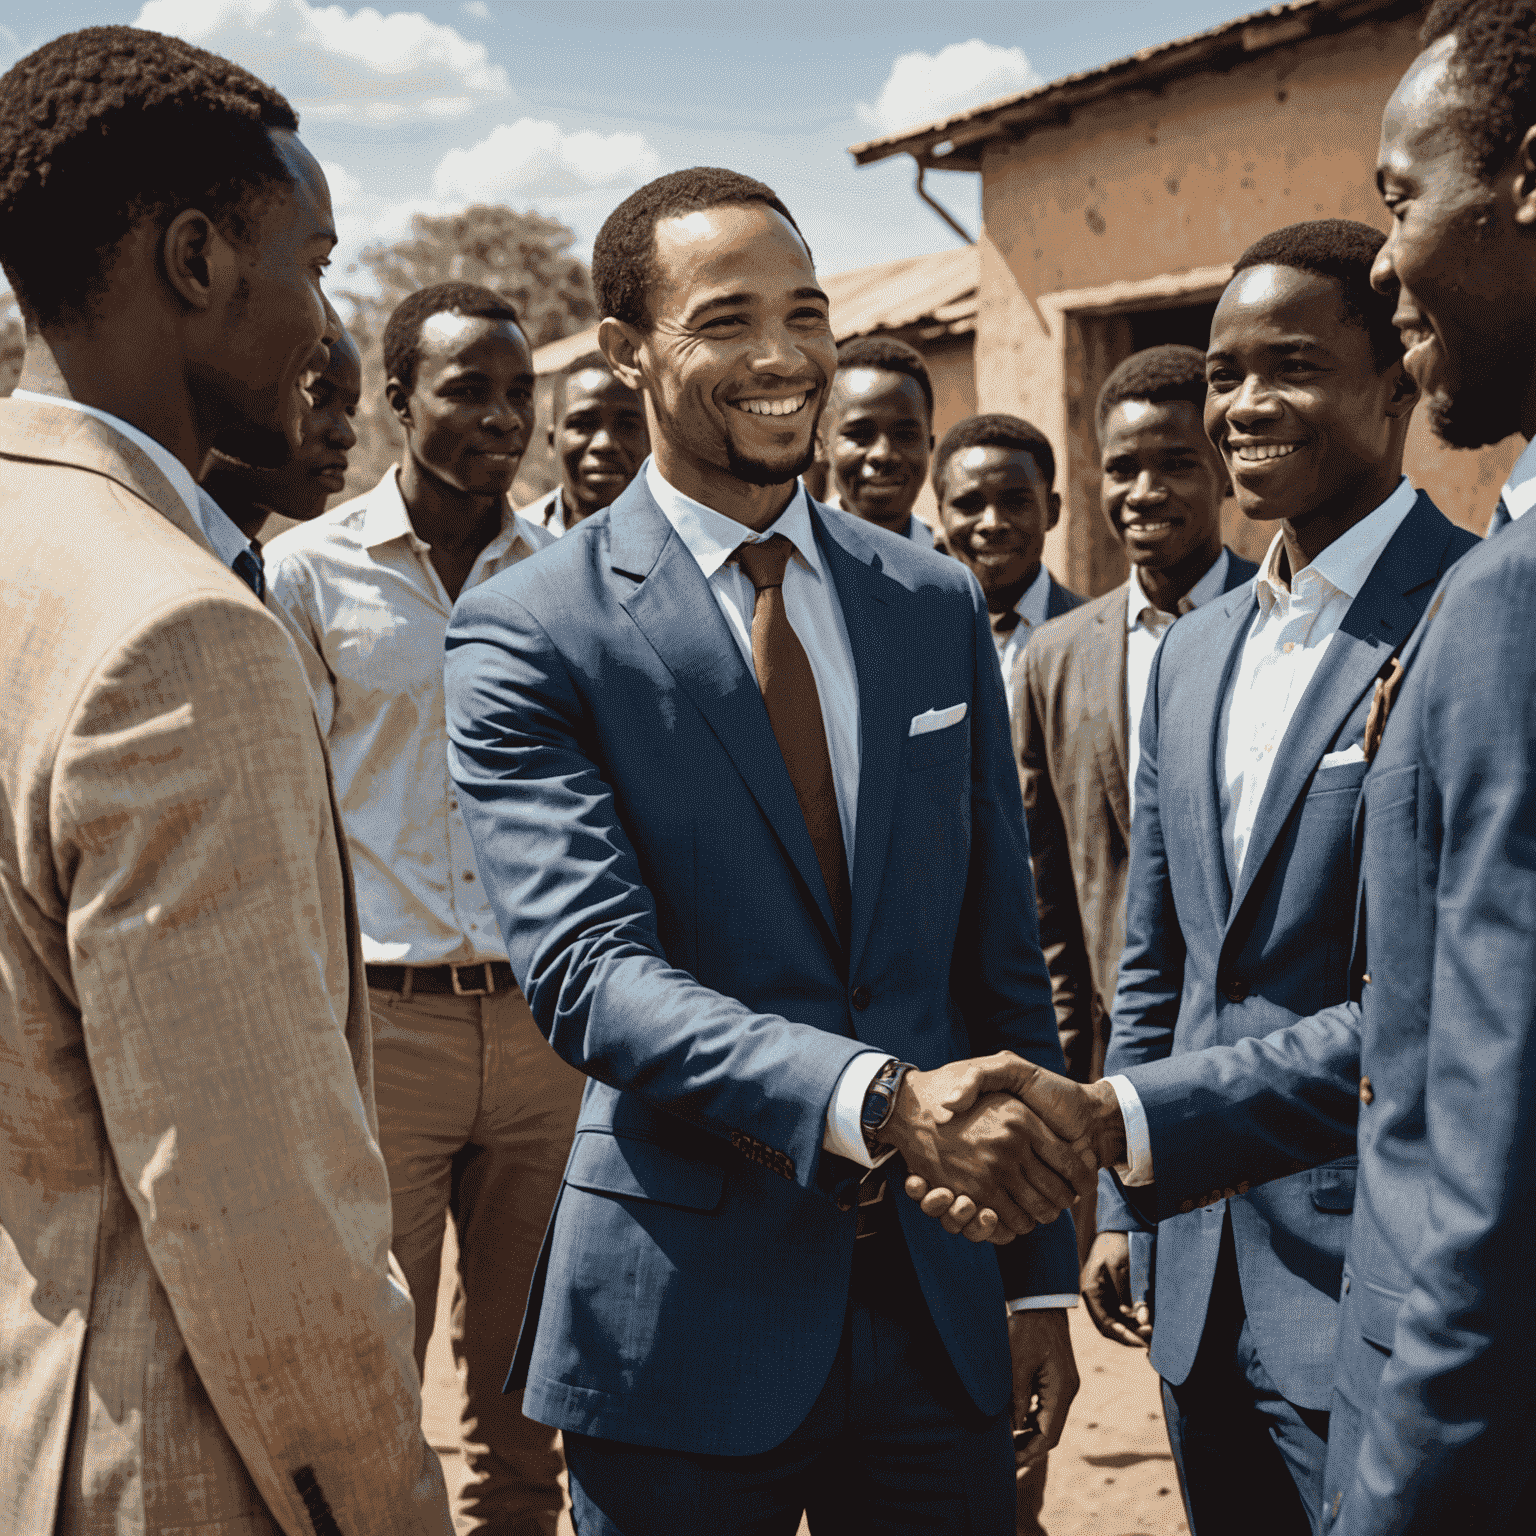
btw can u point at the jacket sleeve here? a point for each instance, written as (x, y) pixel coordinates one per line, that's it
(998, 976)
(1061, 928)
(195, 843)
(579, 923)
(1446, 1445)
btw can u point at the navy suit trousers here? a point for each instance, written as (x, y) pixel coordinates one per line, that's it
(1250, 1462)
(892, 1443)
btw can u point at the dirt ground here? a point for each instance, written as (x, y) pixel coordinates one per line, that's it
(1112, 1474)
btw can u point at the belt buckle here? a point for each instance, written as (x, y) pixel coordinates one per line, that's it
(461, 991)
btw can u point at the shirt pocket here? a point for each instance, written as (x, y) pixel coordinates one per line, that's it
(1333, 1186)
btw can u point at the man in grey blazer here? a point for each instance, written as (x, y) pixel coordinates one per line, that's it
(199, 1322)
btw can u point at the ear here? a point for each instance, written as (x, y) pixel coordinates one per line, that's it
(399, 398)
(1524, 168)
(198, 262)
(620, 344)
(1054, 503)
(1405, 392)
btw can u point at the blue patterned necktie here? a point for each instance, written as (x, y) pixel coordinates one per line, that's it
(249, 568)
(1500, 519)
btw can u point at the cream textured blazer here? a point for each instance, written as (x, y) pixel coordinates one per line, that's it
(201, 1328)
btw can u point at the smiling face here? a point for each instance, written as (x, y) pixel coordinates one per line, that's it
(469, 416)
(996, 509)
(1161, 484)
(1305, 423)
(876, 440)
(247, 363)
(1463, 259)
(599, 438)
(740, 352)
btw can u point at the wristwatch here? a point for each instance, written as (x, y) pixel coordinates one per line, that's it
(880, 1102)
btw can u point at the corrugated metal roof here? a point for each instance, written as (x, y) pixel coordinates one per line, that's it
(892, 296)
(954, 142)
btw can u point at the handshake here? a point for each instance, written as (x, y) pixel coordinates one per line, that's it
(995, 1145)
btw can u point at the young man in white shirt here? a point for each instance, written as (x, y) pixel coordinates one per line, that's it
(476, 1113)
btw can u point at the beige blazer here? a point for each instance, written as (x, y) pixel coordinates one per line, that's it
(201, 1328)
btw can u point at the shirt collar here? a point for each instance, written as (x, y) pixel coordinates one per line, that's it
(1346, 563)
(1520, 488)
(1210, 585)
(712, 537)
(1032, 606)
(216, 524)
(385, 518)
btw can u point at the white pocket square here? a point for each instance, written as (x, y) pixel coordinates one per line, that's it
(936, 720)
(1353, 754)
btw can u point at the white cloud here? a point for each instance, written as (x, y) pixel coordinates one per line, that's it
(336, 65)
(922, 87)
(531, 159)
(478, 9)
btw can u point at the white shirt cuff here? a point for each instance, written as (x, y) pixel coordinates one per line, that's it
(845, 1129)
(1040, 1303)
(1137, 1168)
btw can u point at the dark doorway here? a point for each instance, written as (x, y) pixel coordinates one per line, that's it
(1187, 326)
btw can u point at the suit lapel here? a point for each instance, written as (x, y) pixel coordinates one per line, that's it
(1379, 618)
(866, 596)
(676, 611)
(1104, 685)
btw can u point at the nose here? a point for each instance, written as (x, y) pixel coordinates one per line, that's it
(1252, 402)
(777, 352)
(1383, 273)
(333, 326)
(502, 417)
(602, 438)
(991, 520)
(1145, 491)
(342, 435)
(881, 451)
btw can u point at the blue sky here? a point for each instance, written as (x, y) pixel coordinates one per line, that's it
(567, 105)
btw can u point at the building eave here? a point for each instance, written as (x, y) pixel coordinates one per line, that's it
(956, 143)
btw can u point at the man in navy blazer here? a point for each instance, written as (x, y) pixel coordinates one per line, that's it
(1240, 911)
(719, 1347)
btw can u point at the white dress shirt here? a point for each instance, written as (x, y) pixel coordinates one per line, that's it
(1285, 645)
(1145, 626)
(919, 532)
(218, 529)
(548, 512)
(359, 585)
(1031, 608)
(1520, 489)
(816, 616)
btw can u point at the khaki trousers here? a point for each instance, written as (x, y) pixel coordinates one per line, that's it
(476, 1116)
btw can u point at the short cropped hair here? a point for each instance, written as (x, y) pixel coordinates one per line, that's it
(890, 355)
(996, 430)
(1344, 251)
(1495, 66)
(1156, 375)
(624, 255)
(402, 333)
(107, 126)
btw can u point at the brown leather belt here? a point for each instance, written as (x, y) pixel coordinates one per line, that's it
(478, 980)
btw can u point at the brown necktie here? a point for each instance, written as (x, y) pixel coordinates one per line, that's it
(794, 711)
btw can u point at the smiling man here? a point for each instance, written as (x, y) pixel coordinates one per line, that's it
(475, 1111)
(599, 441)
(877, 432)
(737, 773)
(199, 1321)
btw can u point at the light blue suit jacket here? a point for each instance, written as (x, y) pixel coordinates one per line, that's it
(1206, 964)
(667, 920)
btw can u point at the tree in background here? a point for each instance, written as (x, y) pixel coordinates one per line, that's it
(524, 256)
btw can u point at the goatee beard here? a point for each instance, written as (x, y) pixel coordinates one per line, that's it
(1475, 415)
(755, 472)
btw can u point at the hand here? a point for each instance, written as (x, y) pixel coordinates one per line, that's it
(1044, 1382)
(1107, 1292)
(957, 1132)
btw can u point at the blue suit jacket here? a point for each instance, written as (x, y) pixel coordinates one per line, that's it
(1206, 965)
(666, 918)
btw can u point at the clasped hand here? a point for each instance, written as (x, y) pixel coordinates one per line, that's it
(995, 1145)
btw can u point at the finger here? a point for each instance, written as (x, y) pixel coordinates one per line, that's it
(916, 1187)
(1094, 1298)
(1083, 1146)
(1009, 1213)
(936, 1202)
(981, 1229)
(959, 1215)
(1066, 1161)
(1000, 1073)
(1055, 1398)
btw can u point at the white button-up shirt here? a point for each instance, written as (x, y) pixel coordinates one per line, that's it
(1286, 643)
(217, 527)
(359, 586)
(1031, 609)
(1145, 626)
(1520, 489)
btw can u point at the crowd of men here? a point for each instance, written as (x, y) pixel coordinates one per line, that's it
(653, 879)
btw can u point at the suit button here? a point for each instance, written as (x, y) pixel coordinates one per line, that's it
(861, 998)
(1235, 990)
(1367, 1093)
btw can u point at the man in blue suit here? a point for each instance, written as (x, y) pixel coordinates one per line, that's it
(1240, 910)
(737, 772)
